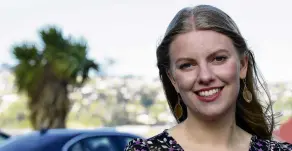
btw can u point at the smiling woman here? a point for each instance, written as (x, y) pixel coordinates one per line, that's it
(211, 83)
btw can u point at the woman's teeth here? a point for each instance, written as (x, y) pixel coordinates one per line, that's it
(209, 92)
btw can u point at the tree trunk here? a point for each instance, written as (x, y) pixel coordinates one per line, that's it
(51, 106)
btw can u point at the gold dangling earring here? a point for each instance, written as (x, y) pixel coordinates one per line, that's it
(178, 110)
(246, 93)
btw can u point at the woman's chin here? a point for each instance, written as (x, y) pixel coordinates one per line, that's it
(211, 115)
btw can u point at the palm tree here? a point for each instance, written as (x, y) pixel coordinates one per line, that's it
(45, 73)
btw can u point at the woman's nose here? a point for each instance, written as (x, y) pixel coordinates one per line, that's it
(205, 75)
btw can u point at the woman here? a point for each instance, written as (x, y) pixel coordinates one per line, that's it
(212, 86)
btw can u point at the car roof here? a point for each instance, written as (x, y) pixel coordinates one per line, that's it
(71, 132)
(68, 132)
(75, 131)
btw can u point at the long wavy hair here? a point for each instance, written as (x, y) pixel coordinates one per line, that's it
(254, 117)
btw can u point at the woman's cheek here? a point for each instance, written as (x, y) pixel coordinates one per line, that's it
(228, 71)
(185, 80)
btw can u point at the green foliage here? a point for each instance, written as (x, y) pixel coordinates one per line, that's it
(26, 53)
(28, 70)
(64, 57)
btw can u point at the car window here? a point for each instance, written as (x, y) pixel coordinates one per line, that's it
(3, 137)
(125, 140)
(94, 144)
(77, 147)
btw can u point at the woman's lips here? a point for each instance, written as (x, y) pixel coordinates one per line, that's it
(209, 95)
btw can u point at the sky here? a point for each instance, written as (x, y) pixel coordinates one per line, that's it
(129, 31)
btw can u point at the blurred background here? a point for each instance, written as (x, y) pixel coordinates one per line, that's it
(91, 64)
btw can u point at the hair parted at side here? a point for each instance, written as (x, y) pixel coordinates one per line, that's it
(253, 117)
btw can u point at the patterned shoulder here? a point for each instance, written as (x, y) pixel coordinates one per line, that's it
(283, 146)
(259, 144)
(158, 142)
(271, 145)
(137, 144)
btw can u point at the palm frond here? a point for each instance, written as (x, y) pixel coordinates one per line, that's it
(78, 50)
(84, 71)
(89, 64)
(53, 36)
(26, 52)
(28, 77)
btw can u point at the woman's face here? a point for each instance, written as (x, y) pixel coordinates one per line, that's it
(206, 70)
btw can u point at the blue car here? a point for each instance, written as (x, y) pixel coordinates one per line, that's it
(69, 140)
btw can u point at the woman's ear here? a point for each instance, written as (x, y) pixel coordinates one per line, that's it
(243, 66)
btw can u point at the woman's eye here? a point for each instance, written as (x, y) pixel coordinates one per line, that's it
(185, 65)
(220, 58)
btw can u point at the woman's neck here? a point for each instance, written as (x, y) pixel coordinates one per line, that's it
(221, 132)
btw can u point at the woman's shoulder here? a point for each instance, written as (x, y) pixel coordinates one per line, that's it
(266, 144)
(159, 141)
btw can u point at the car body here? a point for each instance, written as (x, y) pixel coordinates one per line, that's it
(103, 139)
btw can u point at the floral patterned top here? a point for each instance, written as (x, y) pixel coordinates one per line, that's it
(164, 142)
